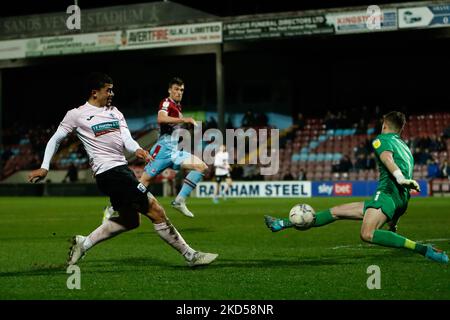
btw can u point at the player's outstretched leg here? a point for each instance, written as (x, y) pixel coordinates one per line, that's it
(352, 211)
(277, 224)
(198, 168)
(170, 235)
(108, 229)
(370, 232)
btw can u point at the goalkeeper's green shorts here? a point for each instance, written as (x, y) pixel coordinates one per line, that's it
(392, 206)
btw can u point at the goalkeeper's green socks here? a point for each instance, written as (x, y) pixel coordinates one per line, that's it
(394, 240)
(323, 218)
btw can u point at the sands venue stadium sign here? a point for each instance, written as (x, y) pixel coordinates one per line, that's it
(258, 189)
(157, 37)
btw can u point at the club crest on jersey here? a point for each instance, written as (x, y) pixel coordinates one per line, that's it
(105, 127)
(376, 143)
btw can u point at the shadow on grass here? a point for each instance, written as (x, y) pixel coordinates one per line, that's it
(121, 265)
(37, 270)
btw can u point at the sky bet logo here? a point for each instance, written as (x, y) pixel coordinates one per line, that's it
(335, 189)
(326, 189)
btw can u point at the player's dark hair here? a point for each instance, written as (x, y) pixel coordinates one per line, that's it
(396, 120)
(96, 81)
(176, 81)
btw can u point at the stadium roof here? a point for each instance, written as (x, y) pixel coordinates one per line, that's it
(219, 8)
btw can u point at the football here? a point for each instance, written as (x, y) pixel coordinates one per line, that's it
(302, 216)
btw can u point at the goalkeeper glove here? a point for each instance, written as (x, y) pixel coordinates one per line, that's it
(407, 183)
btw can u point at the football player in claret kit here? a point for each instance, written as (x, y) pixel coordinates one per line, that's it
(104, 133)
(396, 164)
(165, 153)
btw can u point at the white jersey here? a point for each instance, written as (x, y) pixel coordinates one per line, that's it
(103, 132)
(221, 163)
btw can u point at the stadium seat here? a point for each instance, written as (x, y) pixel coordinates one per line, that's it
(436, 185)
(335, 176)
(318, 176)
(322, 138)
(320, 157)
(326, 175)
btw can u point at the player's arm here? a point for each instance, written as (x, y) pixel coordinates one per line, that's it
(132, 146)
(51, 148)
(387, 159)
(163, 117)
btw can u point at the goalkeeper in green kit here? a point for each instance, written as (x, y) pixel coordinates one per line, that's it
(390, 201)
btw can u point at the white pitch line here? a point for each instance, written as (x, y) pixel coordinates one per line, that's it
(437, 240)
(359, 246)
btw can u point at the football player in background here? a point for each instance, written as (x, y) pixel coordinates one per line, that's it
(222, 172)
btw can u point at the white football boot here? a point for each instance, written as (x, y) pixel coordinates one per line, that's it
(77, 250)
(202, 259)
(181, 206)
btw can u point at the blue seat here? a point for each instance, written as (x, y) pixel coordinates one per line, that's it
(313, 144)
(347, 132)
(322, 138)
(304, 150)
(337, 156)
(320, 157)
(328, 156)
(330, 132)
(303, 157)
(312, 157)
(339, 132)
(295, 157)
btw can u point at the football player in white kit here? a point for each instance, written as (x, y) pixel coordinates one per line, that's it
(104, 133)
(222, 172)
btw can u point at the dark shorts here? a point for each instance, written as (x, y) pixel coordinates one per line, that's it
(120, 184)
(220, 178)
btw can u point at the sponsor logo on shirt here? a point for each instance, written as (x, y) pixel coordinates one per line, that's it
(105, 127)
(376, 143)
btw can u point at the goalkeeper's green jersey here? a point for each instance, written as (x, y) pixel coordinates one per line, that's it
(402, 158)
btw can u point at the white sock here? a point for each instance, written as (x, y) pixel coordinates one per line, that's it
(105, 231)
(169, 234)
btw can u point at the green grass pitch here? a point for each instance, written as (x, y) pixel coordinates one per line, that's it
(323, 263)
